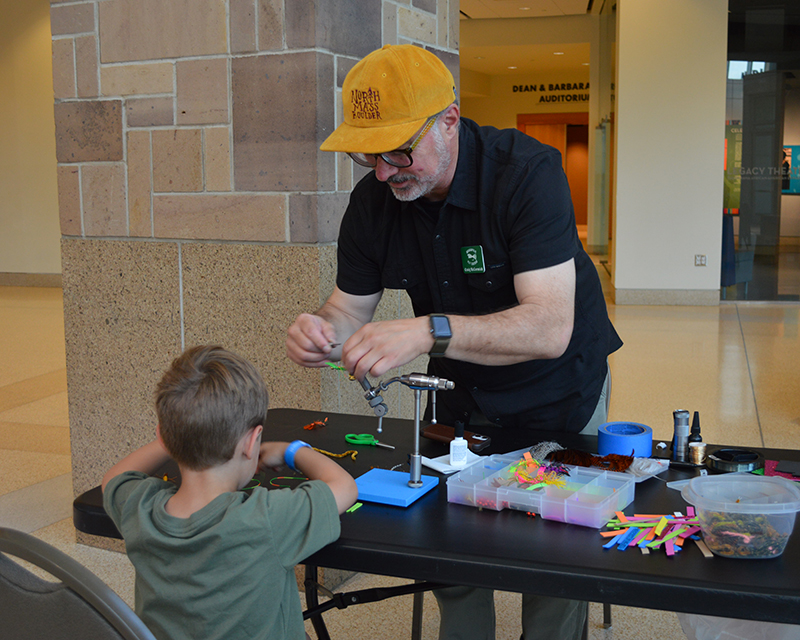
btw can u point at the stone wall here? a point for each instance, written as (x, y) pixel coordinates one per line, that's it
(195, 205)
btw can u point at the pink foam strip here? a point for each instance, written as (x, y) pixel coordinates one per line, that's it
(642, 535)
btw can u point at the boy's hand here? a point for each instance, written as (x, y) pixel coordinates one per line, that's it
(271, 455)
(147, 459)
(315, 466)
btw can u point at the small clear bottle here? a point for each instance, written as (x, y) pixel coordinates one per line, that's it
(458, 446)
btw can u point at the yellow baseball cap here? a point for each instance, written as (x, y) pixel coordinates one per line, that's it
(388, 96)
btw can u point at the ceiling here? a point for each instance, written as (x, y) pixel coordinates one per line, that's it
(527, 59)
(496, 59)
(477, 9)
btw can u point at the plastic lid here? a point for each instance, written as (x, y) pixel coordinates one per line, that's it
(743, 493)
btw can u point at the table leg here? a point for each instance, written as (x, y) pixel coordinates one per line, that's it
(312, 600)
(606, 615)
(416, 618)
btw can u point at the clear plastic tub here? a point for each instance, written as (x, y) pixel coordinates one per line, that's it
(743, 515)
(589, 498)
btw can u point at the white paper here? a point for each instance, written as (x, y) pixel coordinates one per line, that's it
(442, 463)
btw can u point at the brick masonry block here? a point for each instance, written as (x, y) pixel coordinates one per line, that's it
(156, 29)
(349, 28)
(425, 5)
(136, 79)
(390, 23)
(270, 26)
(256, 217)
(70, 19)
(177, 160)
(150, 112)
(88, 131)
(453, 28)
(316, 218)
(243, 26)
(416, 25)
(217, 158)
(451, 61)
(69, 200)
(282, 110)
(140, 184)
(86, 66)
(63, 69)
(202, 91)
(104, 201)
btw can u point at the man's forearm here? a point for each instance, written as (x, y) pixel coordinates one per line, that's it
(347, 313)
(538, 328)
(521, 333)
(344, 324)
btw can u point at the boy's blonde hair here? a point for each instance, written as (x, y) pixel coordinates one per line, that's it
(206, 402)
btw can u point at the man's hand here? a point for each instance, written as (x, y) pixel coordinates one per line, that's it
(309, 341)
(380, 346)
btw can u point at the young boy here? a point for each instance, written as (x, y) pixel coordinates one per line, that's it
(211, 561)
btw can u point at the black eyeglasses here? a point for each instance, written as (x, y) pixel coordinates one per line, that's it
(398, 158)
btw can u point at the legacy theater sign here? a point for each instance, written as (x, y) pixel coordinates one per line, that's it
(556, 92)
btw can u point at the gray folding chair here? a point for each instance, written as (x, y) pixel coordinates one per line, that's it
(79, 606)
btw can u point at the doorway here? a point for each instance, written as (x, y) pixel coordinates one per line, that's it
(569, 133)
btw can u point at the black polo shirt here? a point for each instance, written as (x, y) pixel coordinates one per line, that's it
(510, 197)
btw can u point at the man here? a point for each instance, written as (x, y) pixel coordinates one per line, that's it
(477, 226)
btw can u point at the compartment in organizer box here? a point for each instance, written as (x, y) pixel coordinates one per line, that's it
(589, 497)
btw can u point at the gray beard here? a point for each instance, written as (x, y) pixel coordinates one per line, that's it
(421, 187)
(415, 190)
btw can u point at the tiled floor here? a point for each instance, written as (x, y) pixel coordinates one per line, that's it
(737, 364)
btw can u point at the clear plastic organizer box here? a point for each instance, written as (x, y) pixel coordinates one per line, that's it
(589, 498)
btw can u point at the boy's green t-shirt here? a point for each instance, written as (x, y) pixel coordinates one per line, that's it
(226, 572)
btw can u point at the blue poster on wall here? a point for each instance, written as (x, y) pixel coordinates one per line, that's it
(790, 169)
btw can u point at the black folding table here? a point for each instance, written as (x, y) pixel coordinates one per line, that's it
(443, 543)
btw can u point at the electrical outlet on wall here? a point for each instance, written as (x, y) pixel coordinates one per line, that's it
(700, 260)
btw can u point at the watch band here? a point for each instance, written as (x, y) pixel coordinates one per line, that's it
(440, 328)
(291, 451)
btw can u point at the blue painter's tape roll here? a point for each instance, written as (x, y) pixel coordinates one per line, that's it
(625, 437)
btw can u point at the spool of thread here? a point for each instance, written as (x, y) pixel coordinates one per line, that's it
(625, 438)
(697, 452)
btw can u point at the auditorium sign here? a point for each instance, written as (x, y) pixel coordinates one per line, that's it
(556, 92)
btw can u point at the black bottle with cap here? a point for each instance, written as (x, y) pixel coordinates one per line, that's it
(694, 435)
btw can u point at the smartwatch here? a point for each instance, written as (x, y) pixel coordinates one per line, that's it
(440, 329)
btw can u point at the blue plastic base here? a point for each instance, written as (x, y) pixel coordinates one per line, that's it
(391, 487)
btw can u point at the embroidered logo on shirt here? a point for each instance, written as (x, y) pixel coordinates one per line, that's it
(472, 259)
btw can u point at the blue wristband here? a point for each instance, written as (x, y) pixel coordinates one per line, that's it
(291, 450)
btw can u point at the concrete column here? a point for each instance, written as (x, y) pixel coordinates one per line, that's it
(670, 128)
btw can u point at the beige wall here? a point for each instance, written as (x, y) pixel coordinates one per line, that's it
(491, 100)
(502, 104)
(29, 231)
(670, 108)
